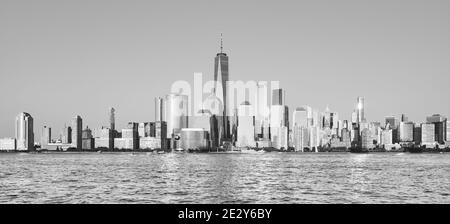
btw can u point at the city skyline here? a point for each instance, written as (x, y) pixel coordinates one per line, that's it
(35, 79)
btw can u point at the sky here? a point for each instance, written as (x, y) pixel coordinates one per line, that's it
(61, 58)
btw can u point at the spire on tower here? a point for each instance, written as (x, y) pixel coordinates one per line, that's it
(221, 43)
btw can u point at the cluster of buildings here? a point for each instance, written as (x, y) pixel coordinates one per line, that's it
(263, 124)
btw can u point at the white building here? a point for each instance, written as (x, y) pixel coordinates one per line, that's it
(7, 144)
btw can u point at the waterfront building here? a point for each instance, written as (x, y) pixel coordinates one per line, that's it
(176, 113)
(24, 132)
(386, 139)
(46, 137)
(66, 135)
(246, 126)
(440, 127)
(104, 138)
(88, 142)
(428, 134)
(221, 77)
(150, 143)
(112, 119)
(366, 139)
(417, 134)
(195, 139)
(77, 129)
(346, 138)
(161, 133)
(448, 131)
(8, 144)
(314, 141)
(160, 109)
(280, 137)
(300, 138)
(406, 132)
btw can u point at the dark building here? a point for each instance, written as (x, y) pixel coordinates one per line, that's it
(417, 135)
(277, 97)
(77, 126)
(88, 142)
(440, 127)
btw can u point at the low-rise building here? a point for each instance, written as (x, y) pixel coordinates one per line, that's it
(8, 144)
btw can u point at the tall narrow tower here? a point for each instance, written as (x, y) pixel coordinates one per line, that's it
(221, 76)
(77, 126)
(112, 118)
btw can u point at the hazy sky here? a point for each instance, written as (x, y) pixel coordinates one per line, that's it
(63, 58)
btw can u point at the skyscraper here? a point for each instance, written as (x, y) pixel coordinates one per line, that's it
(24, 132)
(440, 127)
(160, 109)
(46, 136)
(360, 110)
(112, 118)
(77, 130)
(177, 113)
(221, 76)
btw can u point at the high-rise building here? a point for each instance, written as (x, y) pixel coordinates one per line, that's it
(176, 113)
(112, 118)
(417, 134)
(24, 132)
(300, 138)
(246, 126)
(360, 110)
(66, 135)
(88, 142)
(300, 117)
(104, 138)
(221, 77)
(278, 97)
(406, 132)
(404, 118)
(428, 136)
(392, 121)
(77, 130)
(8, 144)
(46, 137)
(440, 127)
(160, 109)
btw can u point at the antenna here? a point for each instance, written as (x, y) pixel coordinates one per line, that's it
(221, 43)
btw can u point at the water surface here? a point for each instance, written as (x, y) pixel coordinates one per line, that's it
(225, 178)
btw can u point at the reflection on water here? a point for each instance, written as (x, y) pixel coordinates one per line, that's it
(224, 178)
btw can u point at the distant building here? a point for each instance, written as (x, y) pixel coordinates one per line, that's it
(88, 142)
(448, 131)
(195, 139)
(360, 110)
(417, 134)
(150, 143)
(104, 138)
(24, 132)
(246, 126)
(8, 144)
(428, 136)
(392, 121)
(112, 119)
(406, 132)
(176, 113)
(77, 130)
(300, 138)
(440, 127)
(46, 137)
(366, 139)
(386, 138)
(66, 135)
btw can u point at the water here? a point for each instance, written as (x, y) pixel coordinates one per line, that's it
(225, 178)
